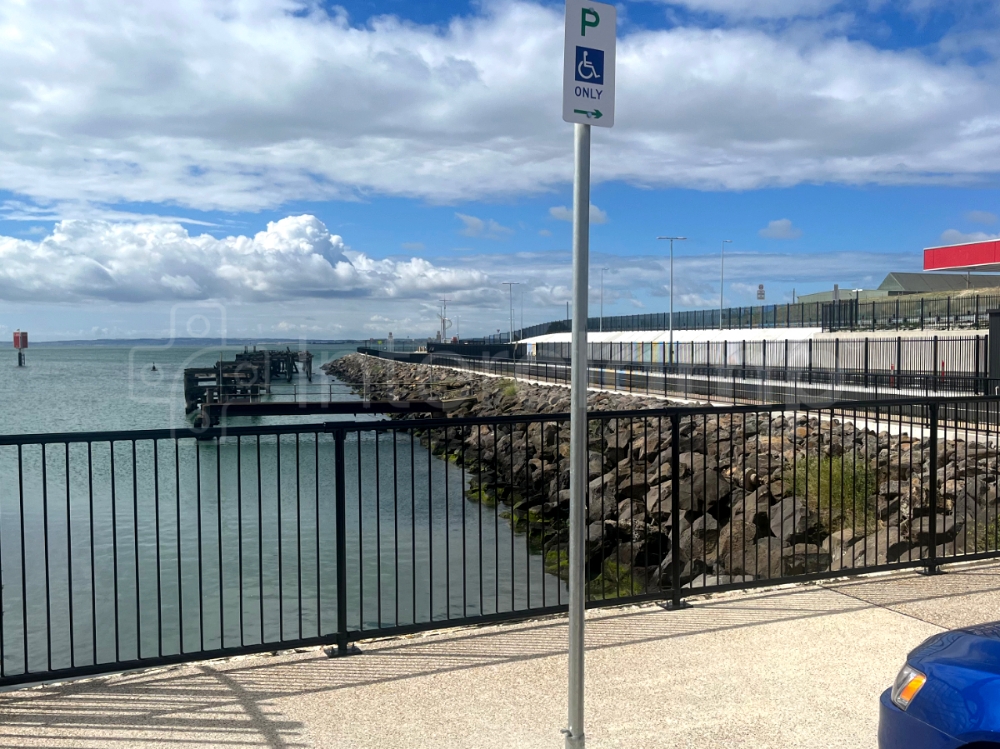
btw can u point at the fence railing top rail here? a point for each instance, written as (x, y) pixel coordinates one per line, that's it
(383, 425)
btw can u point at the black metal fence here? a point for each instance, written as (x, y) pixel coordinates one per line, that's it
(131, 549)
(933, 355)
(747, 384)
(895, 313)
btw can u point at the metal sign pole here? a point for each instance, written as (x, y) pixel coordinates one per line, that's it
(588, 98)
(578, 431)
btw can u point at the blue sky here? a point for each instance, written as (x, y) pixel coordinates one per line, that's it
(332, 170)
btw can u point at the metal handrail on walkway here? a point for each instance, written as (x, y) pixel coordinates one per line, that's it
(130, 549)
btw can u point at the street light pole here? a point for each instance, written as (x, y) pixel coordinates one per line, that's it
(722, 279)
(510, 289)
(679, 239)
(602, 299)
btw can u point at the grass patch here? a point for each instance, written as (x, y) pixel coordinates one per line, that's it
(838, 487)
(987, 536)
(508, 388)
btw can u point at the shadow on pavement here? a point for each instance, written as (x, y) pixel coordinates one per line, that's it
(231, 703)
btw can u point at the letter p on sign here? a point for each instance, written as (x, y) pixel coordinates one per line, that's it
(589, 63)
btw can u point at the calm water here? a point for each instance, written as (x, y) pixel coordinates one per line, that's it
(111, 552)
(96, 388)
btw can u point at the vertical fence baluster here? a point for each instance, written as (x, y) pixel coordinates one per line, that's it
(341, 520)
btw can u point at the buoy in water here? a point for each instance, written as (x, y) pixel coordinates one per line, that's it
(153, 369)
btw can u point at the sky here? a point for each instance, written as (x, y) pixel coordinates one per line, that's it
(277, 168)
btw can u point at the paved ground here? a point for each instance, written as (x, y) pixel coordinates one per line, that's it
(796, 667)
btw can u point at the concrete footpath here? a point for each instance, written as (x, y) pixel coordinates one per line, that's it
(793, 667)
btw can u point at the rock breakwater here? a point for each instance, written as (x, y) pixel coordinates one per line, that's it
(762, 494)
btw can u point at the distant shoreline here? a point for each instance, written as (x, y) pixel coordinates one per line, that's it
(201, 342)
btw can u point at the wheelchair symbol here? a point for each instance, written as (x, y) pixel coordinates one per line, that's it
(590, 65)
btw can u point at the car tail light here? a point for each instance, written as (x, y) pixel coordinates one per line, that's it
(908, 683)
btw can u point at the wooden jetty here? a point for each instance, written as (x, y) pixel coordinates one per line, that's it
(245, 379)
(242, 387)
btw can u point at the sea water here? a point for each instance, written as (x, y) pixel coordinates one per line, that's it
(135, 548)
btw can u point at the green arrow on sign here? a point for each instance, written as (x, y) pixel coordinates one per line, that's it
(596, 114)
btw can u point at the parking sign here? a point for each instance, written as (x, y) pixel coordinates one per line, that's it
(589, 63)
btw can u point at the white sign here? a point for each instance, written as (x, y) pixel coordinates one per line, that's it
(760, 292)
(589, 63)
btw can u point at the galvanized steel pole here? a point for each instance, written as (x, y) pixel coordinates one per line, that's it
(722, 279)
(671, 357)
(578, 432)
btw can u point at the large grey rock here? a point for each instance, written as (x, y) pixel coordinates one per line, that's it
(658, 500)
(775, 561)
(658, 472)
(602, 504)
(920, 529)
(633, 486)
(647, 551)
(802, 559)
(793, 520)
(883, 546)
(694, 463)
(631, 512)
(736, 546)
(701, 490)
(595, 466)
(753, 504)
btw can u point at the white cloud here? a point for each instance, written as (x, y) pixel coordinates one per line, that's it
(249, 105)
(780, 229)
(413, 246)
(562, 213)
(759, 8)
(544, 233)
(954, 236)
(477, 227)
(141, 262)
(981, 217)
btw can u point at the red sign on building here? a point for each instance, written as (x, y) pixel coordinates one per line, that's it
(970, 256)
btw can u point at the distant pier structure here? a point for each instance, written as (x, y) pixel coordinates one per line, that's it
(21, 344)
(245, 379)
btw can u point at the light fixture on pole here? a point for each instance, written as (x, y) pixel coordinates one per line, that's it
(679, 239)
(602, 299)
(722, 279)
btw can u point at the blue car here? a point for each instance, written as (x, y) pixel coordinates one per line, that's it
(947, 695)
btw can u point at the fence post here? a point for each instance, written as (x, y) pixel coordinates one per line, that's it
(675, 513)
(810, 347)
(932, 564)
(921, 313)
(866, 362)
(935, 373)
(948, 314)
(975, 380)
(836, 363)
(897, 313)
(899, 359)
(339, 436)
